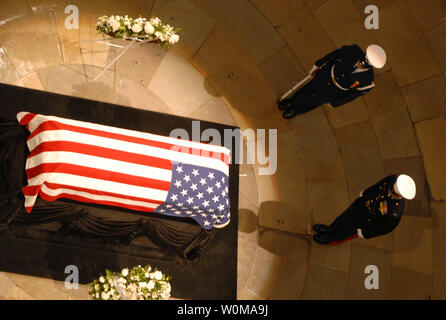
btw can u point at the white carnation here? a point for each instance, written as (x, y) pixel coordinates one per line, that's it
(137, 28)
(155, 21)
(125, 272)
(174, 39)
(148, 28)
(158, 275)
(146, 274)
(101, 279)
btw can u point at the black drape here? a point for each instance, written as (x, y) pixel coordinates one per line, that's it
(65, 221)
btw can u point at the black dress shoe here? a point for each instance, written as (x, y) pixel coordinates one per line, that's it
(284, 104)
(289, 113)
(321, 239)
(320, 228)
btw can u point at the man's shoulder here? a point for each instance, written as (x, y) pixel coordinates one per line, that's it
(353, 49)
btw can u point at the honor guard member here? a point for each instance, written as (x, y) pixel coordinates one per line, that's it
(376, 212)
(339, 77)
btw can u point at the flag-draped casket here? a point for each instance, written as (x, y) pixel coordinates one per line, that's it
(140, 171)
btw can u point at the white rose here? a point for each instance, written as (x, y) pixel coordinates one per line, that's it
(97, 287)
(148, 28)
(174, 39)
(152, 275)
(151, 285)
(125, 272)
(116, 25)
(105, 296)
(101, 279)
(158, 275)
(146, 274)
(137, 28)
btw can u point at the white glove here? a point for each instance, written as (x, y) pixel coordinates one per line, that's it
(360, 233)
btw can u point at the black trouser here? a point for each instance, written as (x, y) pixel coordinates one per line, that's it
(314, 94)
(344, 227)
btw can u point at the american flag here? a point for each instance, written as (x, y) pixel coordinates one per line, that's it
(140, 171)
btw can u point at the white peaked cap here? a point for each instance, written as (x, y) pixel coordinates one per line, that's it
(376, 55)
(405, 186)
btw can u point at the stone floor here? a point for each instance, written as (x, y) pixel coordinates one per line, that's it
(234, 59)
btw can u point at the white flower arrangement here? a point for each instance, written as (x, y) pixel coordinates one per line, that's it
(139, 283)
(128, 28)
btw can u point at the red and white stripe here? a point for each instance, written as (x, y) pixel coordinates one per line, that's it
(94, 163)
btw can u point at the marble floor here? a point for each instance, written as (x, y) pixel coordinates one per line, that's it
(234, 59)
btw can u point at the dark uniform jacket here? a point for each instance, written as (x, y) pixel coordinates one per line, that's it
(380, 213)
(341, 64)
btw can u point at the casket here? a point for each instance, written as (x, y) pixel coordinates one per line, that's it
(65, 222)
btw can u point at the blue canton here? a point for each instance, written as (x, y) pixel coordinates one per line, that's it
(199, 193)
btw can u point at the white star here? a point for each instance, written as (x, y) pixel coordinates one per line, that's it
(223, 179)
(228, 215)
(174, 197)
(194, 186)
(211, 175)
(162, 210)
(179, 169)
(227, 201)
(195, 207)
(188, 212)
(203, 181)
(204, 215)
(206, 223)
(195, 172)
(210, 190)
(184, 192)
(215, 198)
(187, 178)
(168, 206)
(205, 203)
(200, 195)
(223, 193)
(178, 184)
(190, 200)
(217, 221)
(211, 210)
(221, 207)
(214, 216)
(226, 189)
(200, 211)
(179, 204)
(218, 185)
(177, 212)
